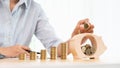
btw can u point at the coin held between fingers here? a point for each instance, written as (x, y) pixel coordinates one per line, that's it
(83, 27)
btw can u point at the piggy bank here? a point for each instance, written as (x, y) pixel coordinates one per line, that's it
(75, 46)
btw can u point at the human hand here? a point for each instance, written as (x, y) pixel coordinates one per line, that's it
(83, 26)
(14, 51)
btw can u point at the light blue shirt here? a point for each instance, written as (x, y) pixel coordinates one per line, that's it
(26, 19)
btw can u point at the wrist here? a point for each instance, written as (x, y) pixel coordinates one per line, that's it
(1, 55)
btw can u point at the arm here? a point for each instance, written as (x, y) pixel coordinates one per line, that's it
(45, 32)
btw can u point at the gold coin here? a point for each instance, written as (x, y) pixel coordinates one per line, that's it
(83, 48)
(87, 46)
(86, 25)
(88, 52)
(92, 50)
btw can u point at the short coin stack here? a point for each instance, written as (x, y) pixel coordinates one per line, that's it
(43, 55)
(22, 56)
(53, 53)
(63, 51)
(33, 56)
(88, 50)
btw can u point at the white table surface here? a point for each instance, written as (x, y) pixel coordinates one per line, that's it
(96, 63)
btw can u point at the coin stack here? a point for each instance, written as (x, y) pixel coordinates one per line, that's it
(53, 53)
(22, 56)
(33, 55)
(63, 51)
(43, 55)
(88, 50)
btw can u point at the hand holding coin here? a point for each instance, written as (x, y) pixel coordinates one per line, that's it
(83, 26)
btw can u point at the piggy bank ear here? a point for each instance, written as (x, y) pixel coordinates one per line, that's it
(95, 49)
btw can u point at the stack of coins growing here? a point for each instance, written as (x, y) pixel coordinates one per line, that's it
(88, 50)
(33, 56)
(53, 53)
(22, 56)
(63, 51)
(43, 55)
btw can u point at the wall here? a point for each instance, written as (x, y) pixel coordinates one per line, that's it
(104, 14)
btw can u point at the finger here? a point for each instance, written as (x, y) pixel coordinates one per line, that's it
(24, 52)
(25, 48)
(90, 31)
(81, 27)
(87, 26)
(84, 29)
(27, 53)
(91, 27)
(83, 21)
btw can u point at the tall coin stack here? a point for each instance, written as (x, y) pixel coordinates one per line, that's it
(53, 53)
(22, 56)
(33, 55)
(43, 55)
(63, 51)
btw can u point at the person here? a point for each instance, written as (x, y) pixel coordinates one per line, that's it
(20, 20)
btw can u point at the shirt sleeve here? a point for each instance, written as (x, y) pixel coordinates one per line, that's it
(45, 32)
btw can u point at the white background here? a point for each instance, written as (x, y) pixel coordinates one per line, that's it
(104, 14)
